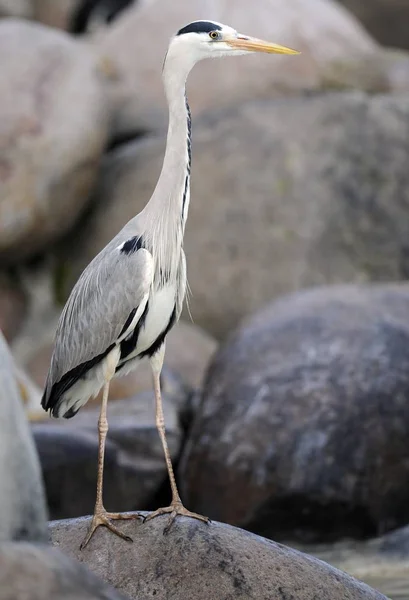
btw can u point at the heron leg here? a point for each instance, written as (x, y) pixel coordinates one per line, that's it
(101, 516)
(176, 507)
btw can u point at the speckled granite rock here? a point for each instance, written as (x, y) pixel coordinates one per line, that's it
(22, 501)
(303, 426)
(196, 561)
(36, 572)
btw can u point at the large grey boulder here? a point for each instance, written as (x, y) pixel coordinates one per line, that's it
(381, 562)
(22, 9)
(56, 13)
(13, 306)
(22, 502)
(304, 420)
(385, 19)
(37, 572)
(54, 128)
(285, 194)
(196, 561)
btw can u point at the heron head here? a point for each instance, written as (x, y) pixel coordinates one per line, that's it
(207, 39)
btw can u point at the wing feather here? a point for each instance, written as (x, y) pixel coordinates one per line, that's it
(113, 286)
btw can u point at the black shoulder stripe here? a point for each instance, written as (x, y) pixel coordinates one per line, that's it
(199, 27)
(132, 245)
(128, 345)
(128, 321)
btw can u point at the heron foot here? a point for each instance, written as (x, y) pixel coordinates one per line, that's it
(104, 518)
(175, 509)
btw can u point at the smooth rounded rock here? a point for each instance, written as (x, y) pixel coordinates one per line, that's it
(304, 418)
(381, 562)
(195, 561)
(37, 572)
(30, 394)
(385, 19)
(285, 195)
(56, 13)
(22, 9)
(22, 502)
(55, 125)
(95, 15)
(13, 307)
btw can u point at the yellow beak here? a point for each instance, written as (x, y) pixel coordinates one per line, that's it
(251, 44)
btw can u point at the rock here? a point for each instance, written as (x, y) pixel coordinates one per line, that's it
(385, 70)
(55, 125)
(395, 543)
(223, 562)
(385, 19)
(380, 562)
(22, 9)
(303, 425)
(13, 307)
(94, 15)
(36, 572)
(225, 82)
(135, 469)
(44, 310)
(285, 195)
(30, 394)
(55, 13)
(22, 505)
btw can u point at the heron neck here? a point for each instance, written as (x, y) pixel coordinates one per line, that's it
(172, 192)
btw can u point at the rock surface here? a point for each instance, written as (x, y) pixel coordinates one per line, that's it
(22, 503)
(30, 394)
(96, 15)
(385, 19)
(55, 13)
(204, 561)
(228, 81)
(285, 195)
(303, 426)
(55, 125)
(381, 562)
(13, 307)
(36, 572)
(135, 469)
(22, 9)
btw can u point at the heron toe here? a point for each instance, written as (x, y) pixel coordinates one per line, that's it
(104, 518)
(175, 509)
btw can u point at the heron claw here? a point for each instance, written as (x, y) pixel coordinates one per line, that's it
(104, 518)
(175, 509)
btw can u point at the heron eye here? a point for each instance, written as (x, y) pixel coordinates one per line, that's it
(214, 35)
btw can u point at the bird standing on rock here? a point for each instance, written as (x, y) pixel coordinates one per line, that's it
(131, 294)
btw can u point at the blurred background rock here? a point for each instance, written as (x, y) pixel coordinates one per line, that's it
(287, 397)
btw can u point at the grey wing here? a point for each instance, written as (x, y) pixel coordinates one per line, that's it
(113, 287)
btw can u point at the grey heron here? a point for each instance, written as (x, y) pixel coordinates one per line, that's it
(131, 294)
